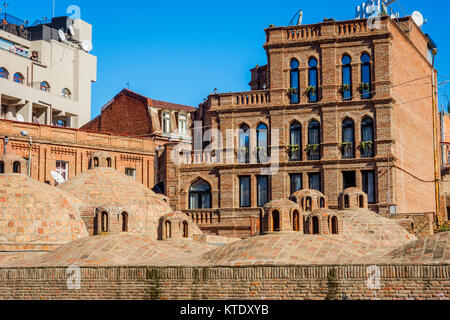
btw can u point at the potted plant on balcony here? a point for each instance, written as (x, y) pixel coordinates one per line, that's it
(312, 147)
(292, 91)
(366, 145)
(262, 151)
(310, 90)
(293, 148)
(365, 86)
(345, 87)
(346, 145)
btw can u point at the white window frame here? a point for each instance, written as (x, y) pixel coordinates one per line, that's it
(64, 172)
(129, 170)
(166, 122)
(182, 124)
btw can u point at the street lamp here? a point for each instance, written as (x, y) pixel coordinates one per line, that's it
(25, 134)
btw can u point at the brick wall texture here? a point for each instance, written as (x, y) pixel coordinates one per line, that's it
(400, 282)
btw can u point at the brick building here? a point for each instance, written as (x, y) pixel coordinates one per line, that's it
(340, 105)
(67, 151)
(132, 114)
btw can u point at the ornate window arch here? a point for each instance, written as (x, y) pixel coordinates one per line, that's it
(346, 77)
(294, 90)
(366, 76)
(313, 80)
(200, 195)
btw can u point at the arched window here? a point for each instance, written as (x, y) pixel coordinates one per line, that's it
(16, 167)
(348, 139)
(2, 167)
(96, 224)
(105, 222)
(262, 143)
(334, 225)
(96, 163)
(276, 220)
(4, 73)
(366, 77)
(109, 162)
(313, 148)
(306, 224)
(45, 86)
(296, 221)
(313, 80)
(66, 93)
(294, 90)
(244, 144)
(185, 229)
(315, 225)
(367, 138)
(322, 202)
(295, 147)
(361, 201)
(168, 230)
(346, 202)
(308, 204)
(19, 78)
(200, 195)
(346, 78)
(124, 222)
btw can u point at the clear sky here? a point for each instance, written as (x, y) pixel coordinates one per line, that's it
(179, 51)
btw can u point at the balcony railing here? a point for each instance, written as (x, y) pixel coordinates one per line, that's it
(348, 150)
(367, 149)
(251, 98)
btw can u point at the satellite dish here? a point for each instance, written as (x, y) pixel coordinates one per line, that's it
(418, 18)
(71, 31)
(20, 118)
(58, 177)
(86, 45)
(62, 36)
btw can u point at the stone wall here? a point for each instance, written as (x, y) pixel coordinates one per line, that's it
(315, 283)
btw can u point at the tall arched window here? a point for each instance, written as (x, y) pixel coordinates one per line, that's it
(294, 90)
(262, 143)
(313, 148)
(367, 138)
(66, 93)
(295, 147)
(185, 229)
(45, 86)
(244, 144)
(366, 78)
(4, 73)
(346, 78)
(16, 167)
(315, 225)
(124, 222)
(276, 220)
(200, 195)
(168, 230)
(105, 222)
(19, 78)
(334, 225)
(313, 80)
(322, 202)
(348, 139)
(109, 162)
(296, 221)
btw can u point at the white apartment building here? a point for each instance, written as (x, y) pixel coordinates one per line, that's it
(46, 71)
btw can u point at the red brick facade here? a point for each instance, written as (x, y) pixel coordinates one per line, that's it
(52, 145)
(399, 105)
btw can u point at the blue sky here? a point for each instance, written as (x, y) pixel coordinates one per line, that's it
(179, 51)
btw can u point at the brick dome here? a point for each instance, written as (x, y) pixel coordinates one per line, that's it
(367, 226)
(286, 249)
(124, 250)
(106, 191)
(310, 200)
(35, 216)
(282, 215)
